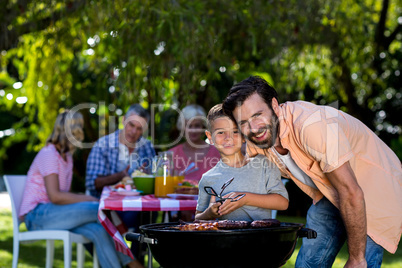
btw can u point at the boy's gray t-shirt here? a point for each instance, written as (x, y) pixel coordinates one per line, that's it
(259, 176)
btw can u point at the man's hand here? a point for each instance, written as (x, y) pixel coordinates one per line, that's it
(353, 211)
(125, 172)
(103, 181)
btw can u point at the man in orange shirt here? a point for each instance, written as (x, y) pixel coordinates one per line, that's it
(353, 177)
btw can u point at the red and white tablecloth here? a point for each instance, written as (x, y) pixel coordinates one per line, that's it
(111, 201)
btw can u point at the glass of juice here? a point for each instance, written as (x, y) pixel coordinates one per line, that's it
(164, 185)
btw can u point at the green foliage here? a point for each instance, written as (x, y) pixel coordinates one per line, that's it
(115, 53)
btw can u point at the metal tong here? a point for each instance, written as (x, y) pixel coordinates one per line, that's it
(209, 190)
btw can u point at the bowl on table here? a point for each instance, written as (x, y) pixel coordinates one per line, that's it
(145, 183)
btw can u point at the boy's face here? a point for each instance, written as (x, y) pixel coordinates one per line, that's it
(225, 136)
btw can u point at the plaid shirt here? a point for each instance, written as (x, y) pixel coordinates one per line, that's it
(104, 157)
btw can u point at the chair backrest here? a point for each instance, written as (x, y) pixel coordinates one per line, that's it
(15, 185)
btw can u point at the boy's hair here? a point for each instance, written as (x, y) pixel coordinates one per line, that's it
(213, 114)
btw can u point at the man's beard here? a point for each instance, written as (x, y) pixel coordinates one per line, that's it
(272, 132)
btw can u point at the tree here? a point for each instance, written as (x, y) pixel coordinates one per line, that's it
(114, 53)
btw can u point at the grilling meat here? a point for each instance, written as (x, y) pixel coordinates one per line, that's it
(265, 223)
(203, 225)
(228, 224)
(206, 226)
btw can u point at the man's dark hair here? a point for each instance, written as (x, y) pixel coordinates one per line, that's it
(244, 89)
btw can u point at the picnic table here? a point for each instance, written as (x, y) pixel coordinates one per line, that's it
(112, 201)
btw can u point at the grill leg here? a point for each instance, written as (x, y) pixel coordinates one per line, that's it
(149, 258)
(149, 250)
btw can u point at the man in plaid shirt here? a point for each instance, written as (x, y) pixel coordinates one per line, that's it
(117, 155)
(109, 160)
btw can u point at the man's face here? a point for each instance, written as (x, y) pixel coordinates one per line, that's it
(134, 126)
(257, 121)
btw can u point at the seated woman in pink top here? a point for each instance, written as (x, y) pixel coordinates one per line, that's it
(191, 123)
(48, 203)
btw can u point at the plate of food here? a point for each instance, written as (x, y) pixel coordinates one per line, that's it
(125, 192)
(125, 189)
(118, 186)
(187, 188)
(183, 196)
(122, 191)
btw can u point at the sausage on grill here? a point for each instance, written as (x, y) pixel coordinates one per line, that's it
(265, 223)
(229, 224)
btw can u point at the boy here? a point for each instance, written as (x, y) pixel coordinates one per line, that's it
(256, 177)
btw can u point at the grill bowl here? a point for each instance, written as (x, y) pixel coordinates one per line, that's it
(260, 247)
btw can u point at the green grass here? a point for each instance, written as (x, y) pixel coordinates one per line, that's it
(34, 254)
(389, 260)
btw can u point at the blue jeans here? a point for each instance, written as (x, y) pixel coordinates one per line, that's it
(80, 218)
(326, 220)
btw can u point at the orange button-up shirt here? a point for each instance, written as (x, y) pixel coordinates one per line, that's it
(320, 139)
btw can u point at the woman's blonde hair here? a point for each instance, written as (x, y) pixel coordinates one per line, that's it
(67, 131)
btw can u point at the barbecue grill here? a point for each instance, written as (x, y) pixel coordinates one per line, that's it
(246, 247)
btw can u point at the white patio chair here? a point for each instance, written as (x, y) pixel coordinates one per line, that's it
(15, 185)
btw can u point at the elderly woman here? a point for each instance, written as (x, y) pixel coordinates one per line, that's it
(48, 203)
(191, 122)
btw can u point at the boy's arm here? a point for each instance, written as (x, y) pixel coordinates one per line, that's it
(267, 201)
(210, 213)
